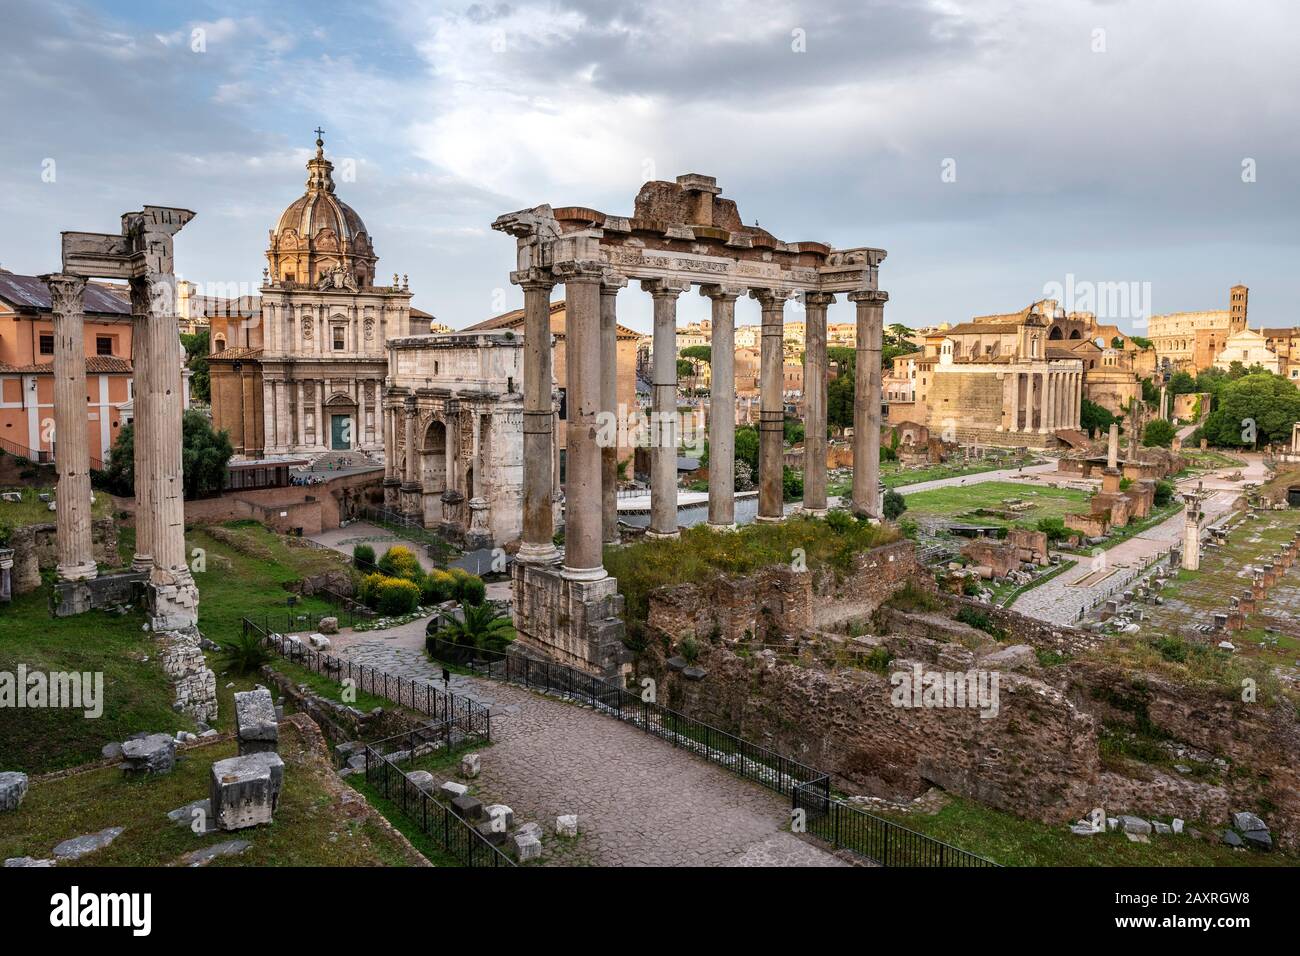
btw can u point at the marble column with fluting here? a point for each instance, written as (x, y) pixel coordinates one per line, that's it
(771, 408)
(538, 545)
(74, 549)
(814, 398)
(142, 373)
(866, 401)
(583, 500)
(722, 406)
(611, 282)
(408, 475)
(663, 448)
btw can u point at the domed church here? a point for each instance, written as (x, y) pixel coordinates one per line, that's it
(299, 369)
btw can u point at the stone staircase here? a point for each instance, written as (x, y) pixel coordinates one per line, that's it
(341, 459)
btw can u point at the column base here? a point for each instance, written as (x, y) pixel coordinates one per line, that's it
(81, 571)
(583, 574)
(530, 553)
(617, 539)
(173, 600)
(814, 512)
(142, 563)
(662, 535)
(769, 519)
(721, 527)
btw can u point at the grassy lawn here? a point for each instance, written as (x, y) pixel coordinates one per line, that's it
(1011, 841)
(310, 826)
(326, 687)
(1210, 460)
(961, 503)
(137, 695)
(31, 510)
(895, 475)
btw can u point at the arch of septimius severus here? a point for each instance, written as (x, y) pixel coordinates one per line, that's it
(680, 235)
(142, 255)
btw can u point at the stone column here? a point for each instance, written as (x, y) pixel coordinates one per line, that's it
(174, 596)
(722, 407)
(1112, 448)
(583, 500)
(408, 475)
(74, 548)
(814, 398)
(866, 402)
(1191, 534)
(663, 450)
(1042, 403)
(1013, 402)
(771, 409)
(300, 418)
(322, 440)
(611, 282)
(1081, 379)
(142, 374)
(539, 419)
(1050, 399)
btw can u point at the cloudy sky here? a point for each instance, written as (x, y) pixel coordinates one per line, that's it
(994, 147)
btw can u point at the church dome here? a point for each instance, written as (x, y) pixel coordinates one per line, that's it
(319, 239)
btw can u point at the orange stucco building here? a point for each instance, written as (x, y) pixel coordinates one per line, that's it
(27, 367)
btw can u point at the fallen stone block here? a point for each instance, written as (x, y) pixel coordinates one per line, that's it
(1230, 838)
(421, 778)
(470, 764)
(329, 625)
(527, 847)
(13, 788)
(1163, 829)
(467, 807)
(320, 641)
(500, 810)
(451, 789)
(209, 853)
(487, 830)
(1136, 825)
(29, 861)
(78, 847)
(245, 790)
(1258, 839)
(566, 825)
(1177, 825)
(111, 751)
(196, 816)
(153, 754)
(530, 829)
(1248, 821)
(255, 723)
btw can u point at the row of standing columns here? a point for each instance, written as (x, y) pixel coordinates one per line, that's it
(159, 482)
(591, 516)
(1052, 400)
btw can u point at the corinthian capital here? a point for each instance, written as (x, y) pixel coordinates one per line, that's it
(870, 296)
(669, 288)
(66, 292)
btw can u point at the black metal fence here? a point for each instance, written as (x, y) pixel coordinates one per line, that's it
(384, 771)
(879, 840)
(749, 760)
(290, 620)
(417, 695)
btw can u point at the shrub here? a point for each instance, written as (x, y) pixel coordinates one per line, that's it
(980, 621)
(1054, 528)
(363, 557)
(878, 660)
(480, 628)
(1158, 433)
(397, 596)
(473, 591)
(895, 504)
(438, 586)
(243, 654)
(971, 587)
(839, 520)
(1164, 493)
(690, 649)
(401, 562)
(909, 527)
(368, 589)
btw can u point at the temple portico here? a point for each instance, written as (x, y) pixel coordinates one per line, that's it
(680, 235)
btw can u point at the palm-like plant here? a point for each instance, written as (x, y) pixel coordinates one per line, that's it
(244, 654)
(482, 628)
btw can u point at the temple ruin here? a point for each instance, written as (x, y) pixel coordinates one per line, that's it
(679, 235)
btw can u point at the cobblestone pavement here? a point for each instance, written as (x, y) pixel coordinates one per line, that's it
(1058, 601)
(639, 801)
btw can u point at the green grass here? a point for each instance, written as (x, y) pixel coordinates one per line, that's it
(137, 695)
(895, 475)
(309, 829)
(324, 686)
(960, 503)
(1011, 841)
(700, 553)
(31, 510)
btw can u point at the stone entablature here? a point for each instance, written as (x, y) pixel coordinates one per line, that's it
(453, 421)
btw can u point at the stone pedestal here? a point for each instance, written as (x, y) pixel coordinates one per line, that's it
(255, 724)
(6, 575)
(244, 791)
(577, 622)
(392, 492)
(479, 535)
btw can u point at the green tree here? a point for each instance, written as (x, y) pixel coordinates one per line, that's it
(196, 358)
(1095, 418)
(894, 504)
(791, 483)
(1253, 410)
(839, 401)
(204, 456)
(747, 447)
(1158, 434)
(1182, 383)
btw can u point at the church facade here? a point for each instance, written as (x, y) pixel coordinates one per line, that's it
(299, 369)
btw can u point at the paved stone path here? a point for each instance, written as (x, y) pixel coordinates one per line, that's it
(1059, 600)
(639, 800)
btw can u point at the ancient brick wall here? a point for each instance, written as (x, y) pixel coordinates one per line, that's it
(35, 549)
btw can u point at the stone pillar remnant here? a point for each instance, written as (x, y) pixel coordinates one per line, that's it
(75, 549)
(611, 282)
(539, 419)
(814, 390)
(663, 450)
(722, 407)
(866, 402)
(771, 414)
